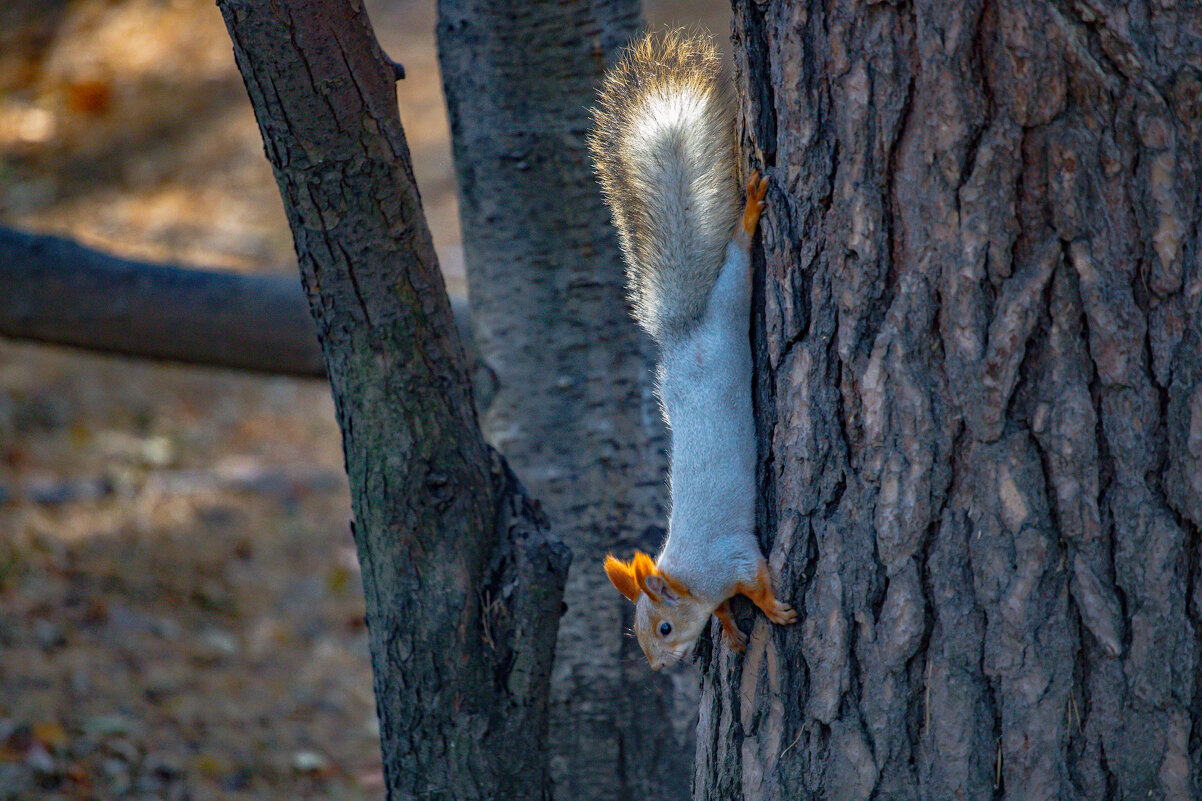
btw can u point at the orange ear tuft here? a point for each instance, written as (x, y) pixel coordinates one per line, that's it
(644, 567)
(622, 575)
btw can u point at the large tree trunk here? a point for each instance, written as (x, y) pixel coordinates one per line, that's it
(574, 411)
(463, 583)
(980, 403)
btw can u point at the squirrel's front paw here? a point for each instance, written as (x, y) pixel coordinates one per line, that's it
(736, 638)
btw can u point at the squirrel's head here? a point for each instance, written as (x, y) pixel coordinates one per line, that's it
(667, 618)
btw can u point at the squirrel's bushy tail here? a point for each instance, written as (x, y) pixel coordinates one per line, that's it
(664, 147)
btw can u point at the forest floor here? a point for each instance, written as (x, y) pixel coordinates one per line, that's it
(180, 607)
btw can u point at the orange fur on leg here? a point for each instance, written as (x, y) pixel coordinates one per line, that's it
(761, 595)
(736, 638)
(757, 188)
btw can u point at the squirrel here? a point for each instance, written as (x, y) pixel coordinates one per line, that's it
(663, 144)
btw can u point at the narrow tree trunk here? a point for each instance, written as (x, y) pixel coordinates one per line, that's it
(980, 403)
(574, 411)
(463, 582)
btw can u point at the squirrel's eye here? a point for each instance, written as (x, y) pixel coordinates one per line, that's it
(665, 629)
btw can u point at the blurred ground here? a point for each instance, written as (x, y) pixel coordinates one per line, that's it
(180, 610)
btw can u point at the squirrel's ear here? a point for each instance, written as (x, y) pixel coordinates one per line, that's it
(623, 577)
(644, 569)
(659, 590)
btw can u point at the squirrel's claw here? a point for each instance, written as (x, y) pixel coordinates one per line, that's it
(757, 190)
(781, 614)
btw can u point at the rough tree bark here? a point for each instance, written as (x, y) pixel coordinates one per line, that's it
(980, 404)
(462, 581)
(574, 410)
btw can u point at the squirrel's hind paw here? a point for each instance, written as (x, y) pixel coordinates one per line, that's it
(757, 190)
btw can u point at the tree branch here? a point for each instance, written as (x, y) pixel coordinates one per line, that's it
(56, 291)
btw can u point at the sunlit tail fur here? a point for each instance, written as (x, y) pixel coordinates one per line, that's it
(663, 145)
